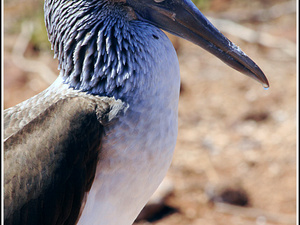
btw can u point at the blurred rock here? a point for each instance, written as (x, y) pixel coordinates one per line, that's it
(257, 116)
(156, 208)
(231, 194)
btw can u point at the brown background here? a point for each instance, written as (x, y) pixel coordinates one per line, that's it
(233, 134)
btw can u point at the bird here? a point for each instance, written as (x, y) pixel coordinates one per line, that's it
(94, 146)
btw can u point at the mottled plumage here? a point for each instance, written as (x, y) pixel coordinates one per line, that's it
(103, 51)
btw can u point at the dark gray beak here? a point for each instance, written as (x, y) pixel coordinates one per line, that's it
(183, 18)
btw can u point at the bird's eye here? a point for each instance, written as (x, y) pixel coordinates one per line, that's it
(159, 1)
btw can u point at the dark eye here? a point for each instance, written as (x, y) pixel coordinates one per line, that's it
(154, 36)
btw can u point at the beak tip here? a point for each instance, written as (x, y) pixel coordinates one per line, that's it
(264, 81)
(259, 75)
(266, 85)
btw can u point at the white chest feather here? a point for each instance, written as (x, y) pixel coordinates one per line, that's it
(137, 149)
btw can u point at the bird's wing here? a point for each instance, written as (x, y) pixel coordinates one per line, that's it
(50, 163)
(16, 117)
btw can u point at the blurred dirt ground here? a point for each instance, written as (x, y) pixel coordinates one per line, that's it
(233, 134)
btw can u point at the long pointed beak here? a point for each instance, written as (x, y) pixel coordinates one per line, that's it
(183, 18)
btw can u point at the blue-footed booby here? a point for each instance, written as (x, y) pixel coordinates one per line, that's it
(94, 146)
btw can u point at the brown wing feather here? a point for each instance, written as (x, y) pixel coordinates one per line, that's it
(50, 163)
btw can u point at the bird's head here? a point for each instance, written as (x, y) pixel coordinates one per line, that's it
(74, 25)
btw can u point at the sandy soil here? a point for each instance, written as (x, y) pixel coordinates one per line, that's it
(233, 134)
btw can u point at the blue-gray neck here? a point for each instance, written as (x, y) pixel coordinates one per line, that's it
(101, 49)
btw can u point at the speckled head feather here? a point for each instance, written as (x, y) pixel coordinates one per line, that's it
(97, 49)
